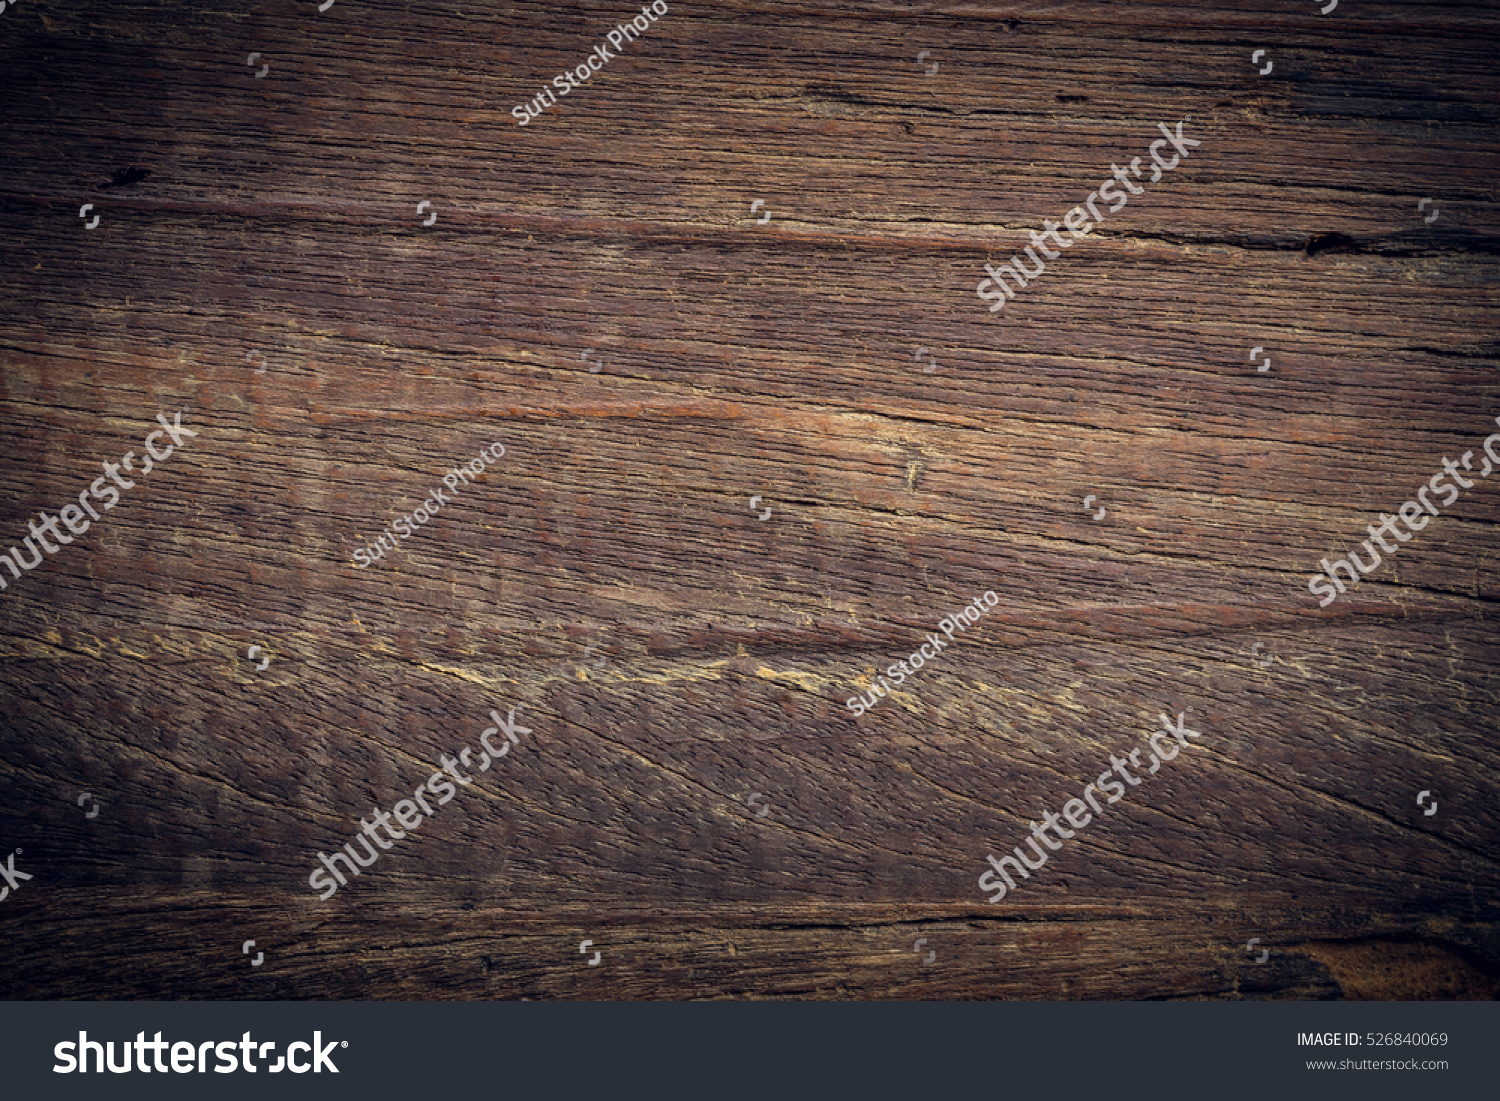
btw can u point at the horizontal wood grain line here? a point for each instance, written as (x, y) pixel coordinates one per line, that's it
(1379, 239)
(561, 410)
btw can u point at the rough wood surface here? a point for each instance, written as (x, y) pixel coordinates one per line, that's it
(671, 653)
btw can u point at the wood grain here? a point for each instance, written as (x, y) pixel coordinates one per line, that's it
(671, 653)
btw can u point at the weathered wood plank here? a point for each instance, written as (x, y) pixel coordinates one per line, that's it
(672, 654)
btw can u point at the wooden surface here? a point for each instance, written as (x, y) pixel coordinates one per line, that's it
(671, 653)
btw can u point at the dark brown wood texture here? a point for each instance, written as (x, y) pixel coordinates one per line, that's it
(671, 653)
